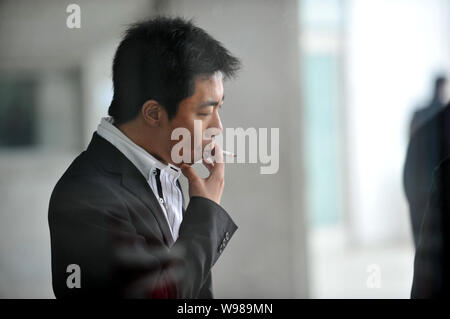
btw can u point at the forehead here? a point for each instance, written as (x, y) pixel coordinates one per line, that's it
(208, 87)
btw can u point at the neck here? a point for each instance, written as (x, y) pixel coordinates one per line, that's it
(134, 133)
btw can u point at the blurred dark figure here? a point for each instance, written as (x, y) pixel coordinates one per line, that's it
(431, 264)
(426, 182)
(429, 144)
(423, 115)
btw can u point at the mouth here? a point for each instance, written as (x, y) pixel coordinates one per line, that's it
(209, 146)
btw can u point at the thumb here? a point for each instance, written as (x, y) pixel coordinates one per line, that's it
(189, 172)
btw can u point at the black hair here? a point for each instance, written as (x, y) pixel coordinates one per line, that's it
(439, 82)
(159, 59)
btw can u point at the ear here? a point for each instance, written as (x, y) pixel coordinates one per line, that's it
(152, 112)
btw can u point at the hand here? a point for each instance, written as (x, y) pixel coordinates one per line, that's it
(212, 186)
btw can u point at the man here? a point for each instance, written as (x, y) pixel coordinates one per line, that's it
(428, 146)
(437, 103)
(117, 220)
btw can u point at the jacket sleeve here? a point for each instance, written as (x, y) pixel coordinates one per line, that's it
(92, 228)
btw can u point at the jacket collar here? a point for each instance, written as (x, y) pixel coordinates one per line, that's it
(144, 161)
(113, 161)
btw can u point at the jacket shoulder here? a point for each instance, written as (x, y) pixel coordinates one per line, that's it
(85, 184)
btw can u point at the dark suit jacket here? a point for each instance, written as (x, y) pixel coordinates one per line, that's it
(428, 146)
(104, 217)
(431, 264)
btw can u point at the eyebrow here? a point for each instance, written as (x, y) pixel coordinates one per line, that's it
(210, 103)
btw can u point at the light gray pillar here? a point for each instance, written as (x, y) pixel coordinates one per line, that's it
(267, 256)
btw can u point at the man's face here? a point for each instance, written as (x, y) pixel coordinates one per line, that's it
(202, 106)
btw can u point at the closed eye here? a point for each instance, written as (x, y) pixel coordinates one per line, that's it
(206, 114)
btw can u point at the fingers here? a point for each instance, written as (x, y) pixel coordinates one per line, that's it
(189, 172)
(208, 164)
(218, 154)
(219, 165)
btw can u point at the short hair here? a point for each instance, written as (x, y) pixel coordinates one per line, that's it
(159, 59)
(439, 82)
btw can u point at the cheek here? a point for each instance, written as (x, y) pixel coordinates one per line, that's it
(195, 125)
(196, 128)
(196, 138)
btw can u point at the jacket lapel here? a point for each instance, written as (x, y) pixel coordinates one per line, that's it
(114, 161)
(137, 185)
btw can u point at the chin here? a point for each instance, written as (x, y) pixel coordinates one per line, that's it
(187, 163)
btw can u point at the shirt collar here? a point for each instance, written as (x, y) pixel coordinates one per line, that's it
(144, 161)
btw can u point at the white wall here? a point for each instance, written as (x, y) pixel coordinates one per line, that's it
(34, 34)
(97, 87)
(395, 47)
(59, 110)
(27, 180)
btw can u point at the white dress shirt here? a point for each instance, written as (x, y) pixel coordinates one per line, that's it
(171, 200)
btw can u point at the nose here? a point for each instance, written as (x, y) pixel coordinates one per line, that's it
(216, 123)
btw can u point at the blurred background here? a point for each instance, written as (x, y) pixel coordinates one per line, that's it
(341, 79)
